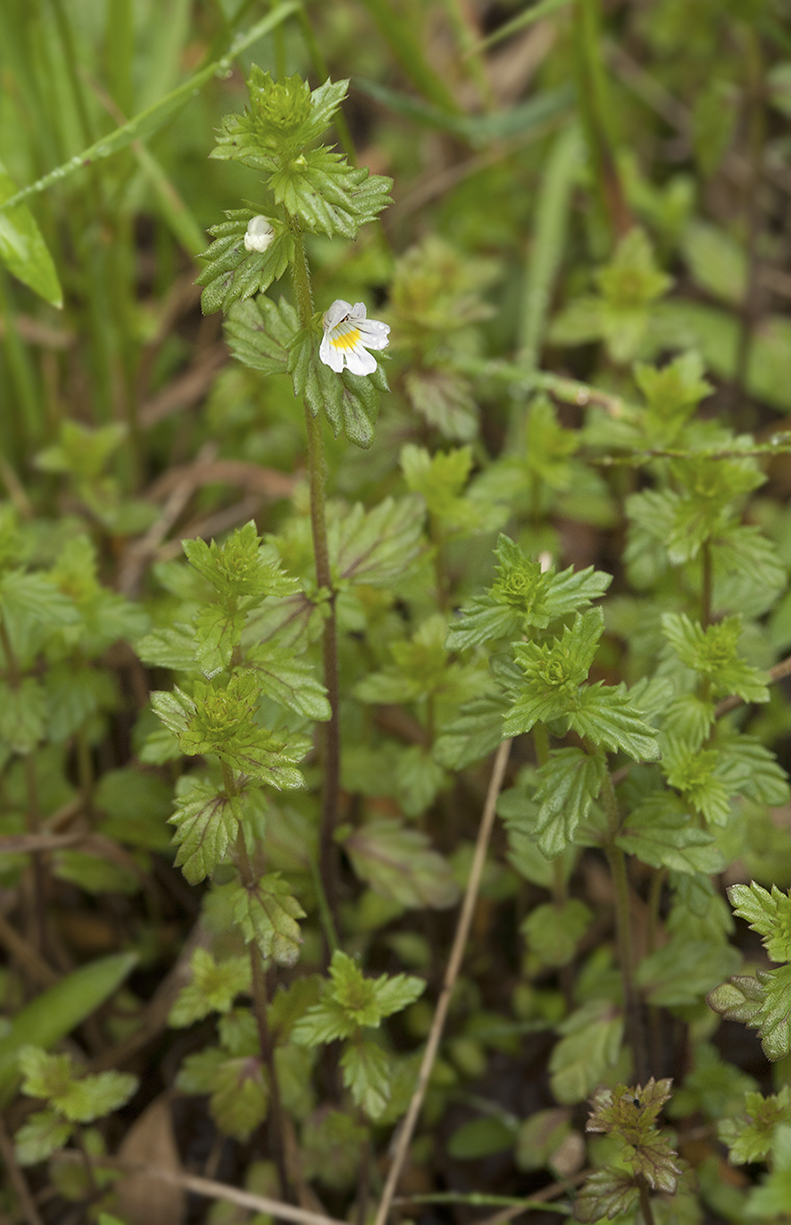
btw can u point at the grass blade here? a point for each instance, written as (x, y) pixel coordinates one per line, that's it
(151, 120)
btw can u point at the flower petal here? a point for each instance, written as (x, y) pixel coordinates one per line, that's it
(374, 333)
(360, 361)
(331, 357)
(338, 311)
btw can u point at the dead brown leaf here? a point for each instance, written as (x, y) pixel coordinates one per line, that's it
(145, 1200)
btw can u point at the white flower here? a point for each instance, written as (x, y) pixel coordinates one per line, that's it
(348, 336)
(259, 234)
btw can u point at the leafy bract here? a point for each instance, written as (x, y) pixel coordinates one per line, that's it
(231, 273)
(222, 721)
(267, 915)
(314, 185)
(749, 1137)
(762, 1003)
(260, 333)
(350, 1001)
(554, 673)
(768, 913)
(713, 653)
(214, 987)
(524, 597)
(349, 401)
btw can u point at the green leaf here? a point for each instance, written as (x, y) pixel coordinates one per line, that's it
(672, 392)
(398, 863)
(367, 1074)
(590, 1045)
(524, 597)
(568, 784)
(44, 1075)
(266, 913)
(22, 247)
(446, 401)
(713, 653)
(80, 1098)
(93, 1097)
(283, 116)
(328, 195)
(231, 272)
(660, 832)
(41, 1136)
(607, 1194)
(683, 971)
(349, 401)
(762, 1003)
(377, 547)
(769, 914)
(746, 767)
(260, 333)
(57, 1010)
(750, 1137)
(207, 822)
(289, 1004)
(695, 773)
(771, 1199)
(222, 721)
(540, 1136)
(476, 732)
(553, 932)
(606, 716)
(332, 1148)
(240, 1096)
(440, 479)
(240, 569)
(214, 987)
(717, 263)
(35, 596)
(478, 130)
(289, 680)
(553, 673)
(23, 711)
(351, 1000)
(367, 1001)
(74, 693)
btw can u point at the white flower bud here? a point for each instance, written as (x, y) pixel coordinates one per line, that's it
(259, 234)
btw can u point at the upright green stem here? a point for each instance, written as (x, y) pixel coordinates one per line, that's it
(617, 862)
(645, 1202)
(276, 1129)
(332, 738)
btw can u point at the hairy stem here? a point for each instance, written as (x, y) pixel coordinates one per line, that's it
(276, 1129)
(645, 1202)
(328, 856)
(617, 862)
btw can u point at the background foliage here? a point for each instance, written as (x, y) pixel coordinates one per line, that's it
(267, 669)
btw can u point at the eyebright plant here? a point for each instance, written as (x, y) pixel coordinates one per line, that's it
(583, 582)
